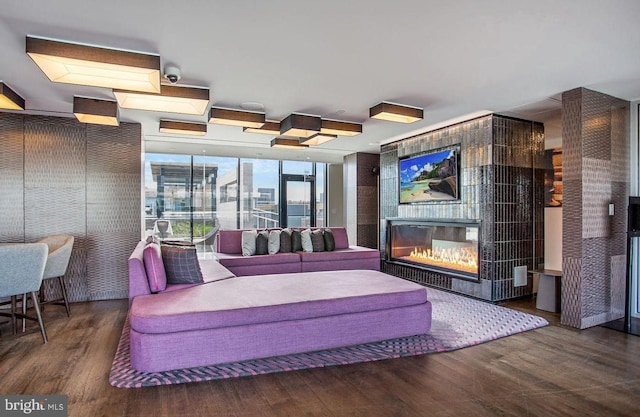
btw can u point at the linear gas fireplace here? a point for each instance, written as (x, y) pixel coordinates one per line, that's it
(445, 246)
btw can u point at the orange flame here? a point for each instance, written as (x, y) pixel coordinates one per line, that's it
(459, 259)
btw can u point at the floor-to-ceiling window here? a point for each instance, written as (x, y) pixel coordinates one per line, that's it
(168, 199)
(189, 197)
(321, 192)
(302, 197)
(260, 192)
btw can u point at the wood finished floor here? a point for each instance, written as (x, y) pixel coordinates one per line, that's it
(553, 371)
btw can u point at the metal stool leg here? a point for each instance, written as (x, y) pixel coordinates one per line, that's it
(24, 312)
(34, 297)
(64, 295)
(14, 323)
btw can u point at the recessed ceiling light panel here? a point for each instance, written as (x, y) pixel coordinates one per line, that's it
(340, 128)
(287, 143)
(72, 63)
(96, 111)
(395, 112)
(9, 99)
(232, 117)
(318, 139)
(172, 99)
(269, 128)
(300, 125)
(183, 128)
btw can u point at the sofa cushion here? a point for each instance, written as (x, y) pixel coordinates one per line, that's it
(285, 240)
(212, 271)
(305, 238)
(229, 241)
(249, 242)
(272, 298)
(340, 237)
(274, 242)
(296, 241)
(154, 267)
(329, 241)
(262, 243)
(181, 264)
(231, 261)
(317, 240)
(355, 252)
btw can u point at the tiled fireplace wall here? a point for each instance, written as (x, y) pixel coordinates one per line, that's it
(501, 184)
(61, 176)
(595, 132)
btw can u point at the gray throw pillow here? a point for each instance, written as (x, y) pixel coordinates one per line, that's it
(285, 240)
(181, 264)
(262, 243)
(329, 241)
(317, 240)
(296, 241)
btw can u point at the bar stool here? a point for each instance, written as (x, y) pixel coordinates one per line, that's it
(21, 269)
(60, 247)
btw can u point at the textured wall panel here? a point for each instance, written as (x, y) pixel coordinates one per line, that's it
(367, 197)
(596, 196)
(572, 135)
(78, 179)
(620, 150)
(368, 235)
(572, 219)
(11, 178)
(367, 200)
(113, 206)
(596, 126)
(571, 300)
(618, 223)
(54, 187)
(596, 276)
(618, 285)
(595, 167)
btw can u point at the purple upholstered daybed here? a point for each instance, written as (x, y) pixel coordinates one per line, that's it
(239, 318)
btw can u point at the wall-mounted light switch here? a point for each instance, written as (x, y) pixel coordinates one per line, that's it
(611, 209)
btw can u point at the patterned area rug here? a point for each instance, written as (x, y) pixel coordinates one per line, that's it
(457, 322)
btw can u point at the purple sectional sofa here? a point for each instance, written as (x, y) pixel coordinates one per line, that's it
(268, 315)
(344, 257)
(228, 318)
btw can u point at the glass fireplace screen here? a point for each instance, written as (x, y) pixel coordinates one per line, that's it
(442, 246)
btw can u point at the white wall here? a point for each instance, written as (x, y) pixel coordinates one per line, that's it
(335, 197)
(553, 215)
(553, 238)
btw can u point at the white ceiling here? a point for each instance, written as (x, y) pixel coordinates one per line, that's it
(337, 58)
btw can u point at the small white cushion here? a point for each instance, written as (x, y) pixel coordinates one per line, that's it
(274, 242)
(307, 246)
(249, 242)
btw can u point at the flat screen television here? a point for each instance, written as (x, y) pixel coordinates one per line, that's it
(429, 177)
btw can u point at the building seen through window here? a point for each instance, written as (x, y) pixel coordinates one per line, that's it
(194, 196)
